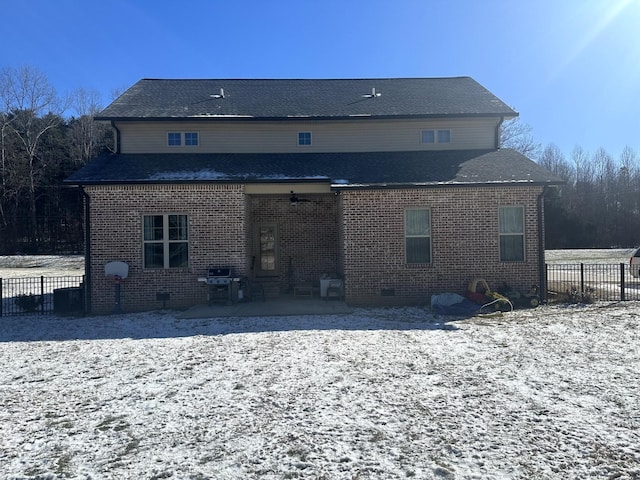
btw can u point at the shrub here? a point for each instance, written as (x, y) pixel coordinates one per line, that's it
(28, 302)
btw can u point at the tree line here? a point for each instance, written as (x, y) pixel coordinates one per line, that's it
(40, 147)
(41, 143)
(598, 206)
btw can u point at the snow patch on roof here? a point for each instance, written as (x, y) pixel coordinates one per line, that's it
(203, 174)
(207, 174)
(218, 115)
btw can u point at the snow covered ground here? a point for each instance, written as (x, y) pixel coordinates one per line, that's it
(549, 393)
(586, 255)
(20, 266)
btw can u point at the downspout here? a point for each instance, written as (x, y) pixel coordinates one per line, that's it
(497, 139)
(117, 139)
(87, 250)
(541, 257)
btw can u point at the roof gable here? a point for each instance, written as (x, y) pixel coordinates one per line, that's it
(296, 99)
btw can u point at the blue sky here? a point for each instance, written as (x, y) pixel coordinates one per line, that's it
(570, 67)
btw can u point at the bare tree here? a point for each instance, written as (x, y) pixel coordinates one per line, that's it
(628, 186)
(5, 122)
(517, 135)
(629, 162)
(553, 160)
(86, 134)
(583, 168)
(32, 108)
(604, 167)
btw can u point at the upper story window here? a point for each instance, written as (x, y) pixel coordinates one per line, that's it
(435, 136)
(174, 139)
(511, 227)
(165, 241)
(417, 235)
(444, 136)
(191, 138)
(304, 138)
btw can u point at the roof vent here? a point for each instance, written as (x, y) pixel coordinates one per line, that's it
(373, 94)
(218, 95)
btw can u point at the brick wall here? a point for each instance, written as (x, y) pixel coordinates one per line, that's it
(217, 236)
(359, 234)
(464, 236)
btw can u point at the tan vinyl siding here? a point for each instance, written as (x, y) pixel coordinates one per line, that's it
(327, 136)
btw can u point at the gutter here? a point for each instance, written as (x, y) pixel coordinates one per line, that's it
(392, 186)
(87, 250)
(497, 139)
(117, 142)
(273, 118)
(541, 257)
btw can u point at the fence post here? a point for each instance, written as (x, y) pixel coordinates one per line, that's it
(582, 279)
(1, 299)
(42, 294)
(85, 295)
(622, 294)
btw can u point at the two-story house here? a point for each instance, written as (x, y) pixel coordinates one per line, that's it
(398, 186)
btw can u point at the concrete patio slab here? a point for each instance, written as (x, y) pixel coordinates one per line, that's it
(287, 305)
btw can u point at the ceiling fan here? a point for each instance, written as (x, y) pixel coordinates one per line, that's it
(295, 200)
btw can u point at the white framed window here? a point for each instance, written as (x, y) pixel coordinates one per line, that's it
(428, 136)
(444, 136)
(511, 228)
(435, 136)
(174, 139)
(191, 139)
(165, 240)
(417, 235)
(304, 139)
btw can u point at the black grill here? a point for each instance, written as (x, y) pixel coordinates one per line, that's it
(223, 285)
(219, 276)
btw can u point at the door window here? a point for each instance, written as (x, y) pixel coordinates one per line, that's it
(267, 249)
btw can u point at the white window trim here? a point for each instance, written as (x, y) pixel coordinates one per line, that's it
(184, 134)
(429, 236)
(165, 241)
(444, 130)
(310, 138)
(173, 145)
(435, 136)
(183, 138)
(521, 234)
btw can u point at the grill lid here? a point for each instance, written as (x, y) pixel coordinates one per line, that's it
(219, 272)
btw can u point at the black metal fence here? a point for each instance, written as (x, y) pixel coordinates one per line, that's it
(591, 282)
(29, 295)
(565, 282)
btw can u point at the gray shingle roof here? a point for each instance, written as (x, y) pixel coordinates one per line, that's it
(284, 99)
(460, 167)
